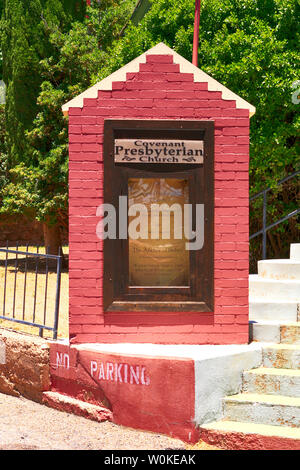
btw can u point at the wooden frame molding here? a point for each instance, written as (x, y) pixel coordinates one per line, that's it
(198, 296)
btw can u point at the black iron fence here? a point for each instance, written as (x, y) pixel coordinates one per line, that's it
(265, 226)
(31, 283)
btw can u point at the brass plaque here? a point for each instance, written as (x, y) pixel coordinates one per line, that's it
(162, 261)
(158, 151)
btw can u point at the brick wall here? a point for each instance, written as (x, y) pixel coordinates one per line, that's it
(159, 91)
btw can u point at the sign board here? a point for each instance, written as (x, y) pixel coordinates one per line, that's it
(158, 151)
(161, 260)
(163, 177)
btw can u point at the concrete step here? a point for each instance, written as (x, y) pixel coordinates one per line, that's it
(295, 251)
(281, 356)
(273, 410)
(236, 435)
(272, 381)
(78, 407)
(262, 309)
(279, 269)
(273, 289)
(290, 333)
(275, 332)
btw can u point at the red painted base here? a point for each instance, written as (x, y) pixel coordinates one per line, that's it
(148, 393)
(142, 392)
(241, 441)
(78, 407)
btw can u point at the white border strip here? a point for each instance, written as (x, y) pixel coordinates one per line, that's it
(133, 67)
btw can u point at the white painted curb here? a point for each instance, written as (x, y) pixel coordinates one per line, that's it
(295, 251)
(221, 375)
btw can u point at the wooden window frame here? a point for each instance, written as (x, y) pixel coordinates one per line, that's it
(118, 295)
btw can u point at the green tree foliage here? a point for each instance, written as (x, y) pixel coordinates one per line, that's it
(252, 47)
(1, 11)
(68, 65)
(3, 150)
(73, 52)
(25, 28)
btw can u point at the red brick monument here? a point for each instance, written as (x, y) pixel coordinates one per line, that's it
(159, 97)
(148, 301)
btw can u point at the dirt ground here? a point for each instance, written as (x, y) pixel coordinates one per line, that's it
(26, 425)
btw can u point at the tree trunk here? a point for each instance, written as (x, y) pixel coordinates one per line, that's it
(52, 238)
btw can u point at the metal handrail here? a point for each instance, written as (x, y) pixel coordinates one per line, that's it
(292, 175)
(266, 227)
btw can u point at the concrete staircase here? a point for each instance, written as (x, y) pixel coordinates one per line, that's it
(274, 300)
(266, 414)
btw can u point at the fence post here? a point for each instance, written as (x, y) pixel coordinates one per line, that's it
(5, 278)
(57, 298)
(264, 244)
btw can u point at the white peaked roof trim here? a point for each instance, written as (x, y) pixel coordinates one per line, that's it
(133, 66)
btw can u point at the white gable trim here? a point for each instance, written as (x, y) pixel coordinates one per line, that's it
(185, 67)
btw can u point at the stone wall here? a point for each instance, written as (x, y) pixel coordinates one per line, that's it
(24, 365)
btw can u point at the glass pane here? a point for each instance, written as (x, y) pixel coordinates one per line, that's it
(157, 254)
